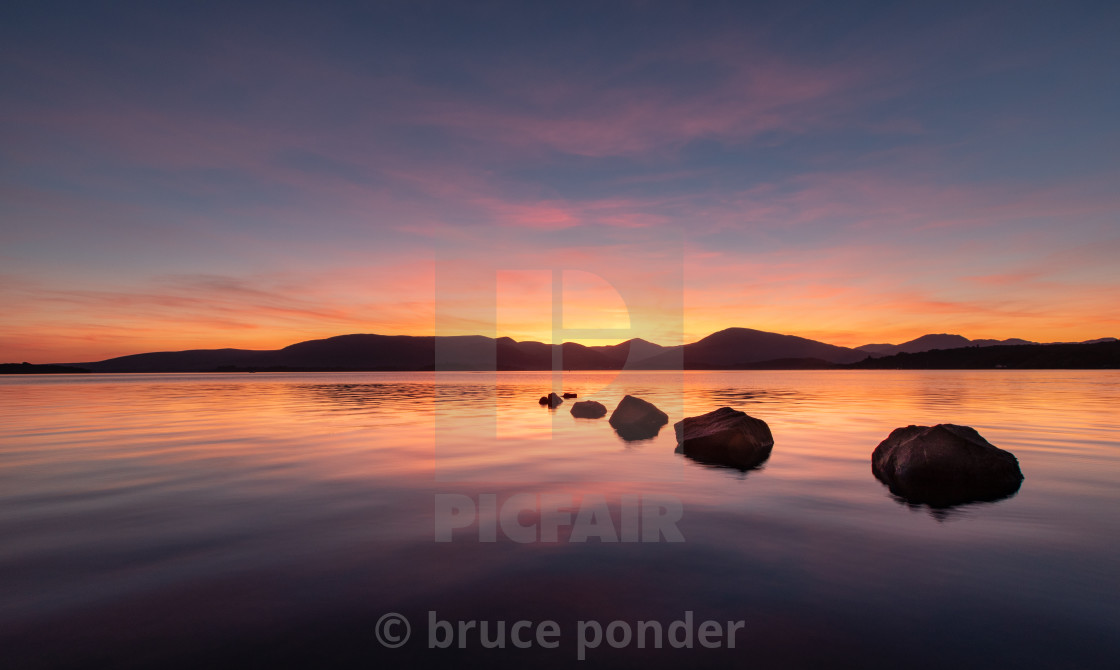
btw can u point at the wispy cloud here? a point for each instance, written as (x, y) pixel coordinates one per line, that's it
(225, 187)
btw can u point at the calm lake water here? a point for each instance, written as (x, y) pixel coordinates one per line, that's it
(270, 520)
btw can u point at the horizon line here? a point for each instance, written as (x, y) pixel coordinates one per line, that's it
(532, 341)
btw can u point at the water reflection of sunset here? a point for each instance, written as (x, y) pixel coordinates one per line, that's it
(456, 424)
(143, 489)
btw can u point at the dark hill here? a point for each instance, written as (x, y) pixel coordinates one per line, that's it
(743, 347)
(194, 360)
(631, 352)
(367, 352)
(923, 343)
(945, 341)
(734, 348)
(1022, 356)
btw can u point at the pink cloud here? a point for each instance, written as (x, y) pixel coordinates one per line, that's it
(598, 118)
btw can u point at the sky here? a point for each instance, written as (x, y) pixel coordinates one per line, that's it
(207, 175)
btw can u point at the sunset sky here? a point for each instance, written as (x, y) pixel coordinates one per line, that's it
(204, 175)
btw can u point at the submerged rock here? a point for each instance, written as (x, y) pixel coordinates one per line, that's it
(552, 400)
(570, 395)
(637, 419)
(725, 437)
(589, 409)
(945, 465)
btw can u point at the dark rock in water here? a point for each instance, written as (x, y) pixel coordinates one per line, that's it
(552, 400)
(725, 437)
(945, 465)
(589, 409)
(637, 419)
(570, 395)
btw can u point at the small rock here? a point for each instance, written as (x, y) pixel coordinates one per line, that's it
(570, 395)
(637, 419)
(725, 437)
(945, 465)
(589, 409)
(552, 400)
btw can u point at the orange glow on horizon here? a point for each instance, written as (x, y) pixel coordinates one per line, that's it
(51, 325)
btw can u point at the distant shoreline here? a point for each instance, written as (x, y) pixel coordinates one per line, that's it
(935, 360)
(732, 349)
(32, 369)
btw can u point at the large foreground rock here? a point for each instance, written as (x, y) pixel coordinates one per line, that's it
(589, 409)
(637, 419)
(552, 400)
(725, 437)
(945, 465)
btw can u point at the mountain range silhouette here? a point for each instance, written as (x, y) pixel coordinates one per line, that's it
(732, 348)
